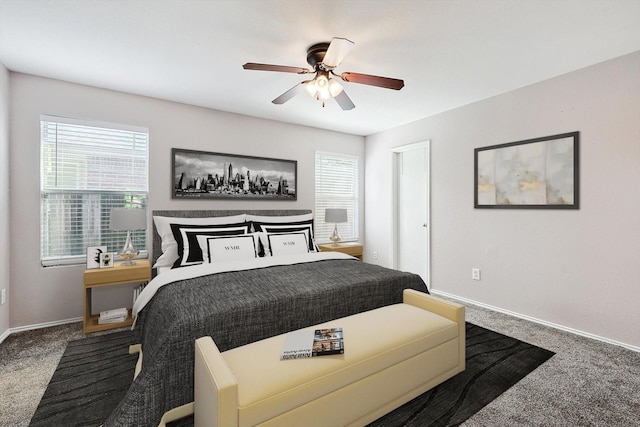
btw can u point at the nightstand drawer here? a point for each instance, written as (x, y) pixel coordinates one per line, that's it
(139, 272)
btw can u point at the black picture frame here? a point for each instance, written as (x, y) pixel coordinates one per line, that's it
(539, 173)
(93, 255)
(209, 175)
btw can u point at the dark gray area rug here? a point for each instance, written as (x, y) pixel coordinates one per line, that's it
(92, 377)
(495, 362)
(94, 374)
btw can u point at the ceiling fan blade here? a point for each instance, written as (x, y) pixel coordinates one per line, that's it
(290, 93)
(367, 79)
(344, 101)
(269, 67)
(337, 51)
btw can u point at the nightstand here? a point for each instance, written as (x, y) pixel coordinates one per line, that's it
(350, 248)
(113, 276)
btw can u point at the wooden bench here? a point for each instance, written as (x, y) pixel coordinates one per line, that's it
(392, 354)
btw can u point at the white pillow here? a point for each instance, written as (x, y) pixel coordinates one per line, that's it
(217, 249)
(288, 243)
(288, 218)
(169, 245)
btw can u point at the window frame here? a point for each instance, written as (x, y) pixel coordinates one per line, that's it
(349, 231)
(134, 193)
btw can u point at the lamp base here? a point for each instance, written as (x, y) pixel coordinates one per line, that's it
(335, 236)
(128, 259)
(128, 252)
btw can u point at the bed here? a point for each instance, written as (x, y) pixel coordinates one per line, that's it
(239, 301)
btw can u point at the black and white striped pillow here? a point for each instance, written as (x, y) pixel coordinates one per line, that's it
(289, 227)
(186, 235)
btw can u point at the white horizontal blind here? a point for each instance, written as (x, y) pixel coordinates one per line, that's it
(86, 170)
(336, 187)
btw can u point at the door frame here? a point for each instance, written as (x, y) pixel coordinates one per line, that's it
(396, 151)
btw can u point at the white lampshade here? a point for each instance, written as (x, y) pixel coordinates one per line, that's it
(123, 219)
(335, 215)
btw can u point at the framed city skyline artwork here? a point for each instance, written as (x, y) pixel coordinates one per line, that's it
(540, 173)
(207, 175)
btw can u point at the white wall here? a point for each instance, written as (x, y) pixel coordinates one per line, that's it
(4, 197)
(575, 268)
(47, 295)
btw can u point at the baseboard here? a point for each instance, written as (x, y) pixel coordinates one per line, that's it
(4, 335)
(38, 326)
(534, 320)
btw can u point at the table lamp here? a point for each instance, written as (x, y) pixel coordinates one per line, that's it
(128, 219)
(336, 216)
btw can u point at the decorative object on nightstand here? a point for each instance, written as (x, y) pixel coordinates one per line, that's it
(123, 219)
(106, 260)
(93, 255)
(119, 274)
(354, 249)
(335, 216)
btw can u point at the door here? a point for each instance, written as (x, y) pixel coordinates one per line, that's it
(411, 219)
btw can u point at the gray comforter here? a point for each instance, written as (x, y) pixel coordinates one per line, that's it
(237, 308)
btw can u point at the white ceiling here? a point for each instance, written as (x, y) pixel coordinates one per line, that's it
(449, 52)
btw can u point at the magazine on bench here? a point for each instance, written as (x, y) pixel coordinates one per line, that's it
(310, 343)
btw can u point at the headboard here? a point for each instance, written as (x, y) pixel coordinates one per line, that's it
(157, 241)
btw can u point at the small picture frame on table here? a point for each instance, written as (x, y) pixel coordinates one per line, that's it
(106, 259)
(93, 256)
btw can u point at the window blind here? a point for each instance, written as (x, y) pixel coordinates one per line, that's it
(88, 168)
(336, 187)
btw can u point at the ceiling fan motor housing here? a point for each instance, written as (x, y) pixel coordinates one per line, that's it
(316, 53)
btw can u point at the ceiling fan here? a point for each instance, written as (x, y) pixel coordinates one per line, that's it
(324, 58)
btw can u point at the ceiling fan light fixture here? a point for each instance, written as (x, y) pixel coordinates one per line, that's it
(322, 82)
(322, 87)
(334, 88)
(310, 88)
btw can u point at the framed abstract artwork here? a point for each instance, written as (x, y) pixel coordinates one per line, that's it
(540, 173)
(205, 175)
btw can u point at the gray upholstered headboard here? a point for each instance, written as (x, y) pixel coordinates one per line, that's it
(156, 242)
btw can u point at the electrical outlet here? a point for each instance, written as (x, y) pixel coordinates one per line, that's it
(475, 273)
(375, 254)
(4, 296)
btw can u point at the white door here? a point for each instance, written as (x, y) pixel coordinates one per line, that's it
(411, 219)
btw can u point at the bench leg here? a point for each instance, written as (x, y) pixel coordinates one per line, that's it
(133, 349)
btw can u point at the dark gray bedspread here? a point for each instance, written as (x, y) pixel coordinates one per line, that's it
(237, 308)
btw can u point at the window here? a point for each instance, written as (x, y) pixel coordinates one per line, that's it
(336, 187)
(86, 169)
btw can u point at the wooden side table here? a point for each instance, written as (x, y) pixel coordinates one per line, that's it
(350, 248)
(113, 276)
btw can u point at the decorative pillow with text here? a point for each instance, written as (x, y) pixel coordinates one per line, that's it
(228, 248)
(189, 251)
(288, 243)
